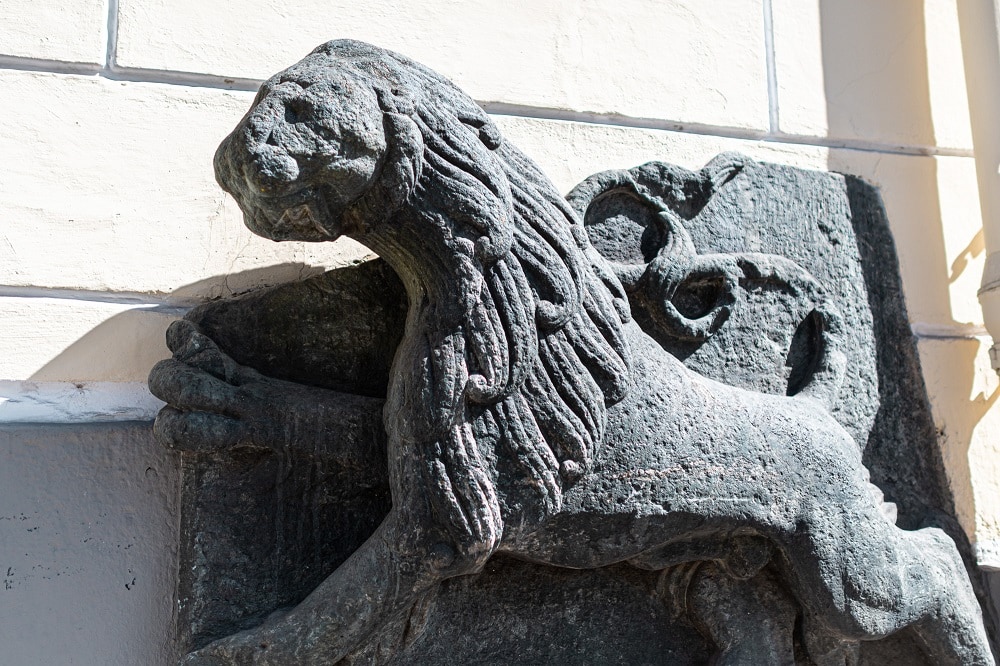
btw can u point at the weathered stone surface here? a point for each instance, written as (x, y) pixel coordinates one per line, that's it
(527, 416)
(338, 330)
(260, 530)
(834, 228)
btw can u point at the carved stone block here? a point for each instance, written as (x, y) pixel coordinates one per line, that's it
(623, 428)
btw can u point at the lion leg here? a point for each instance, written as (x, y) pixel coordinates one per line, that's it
(379, 583)
(954, 631)
(863, 578)
(409, 554)
(764, 634)
(826, 647)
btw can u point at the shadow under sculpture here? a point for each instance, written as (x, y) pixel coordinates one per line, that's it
(527, 414)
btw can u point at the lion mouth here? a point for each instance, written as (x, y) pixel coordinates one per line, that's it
(301, 218)
(291, 221)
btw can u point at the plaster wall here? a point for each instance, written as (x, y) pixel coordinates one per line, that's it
(111, 224)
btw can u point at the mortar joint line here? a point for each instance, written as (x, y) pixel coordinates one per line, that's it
(112, 28)
(113, 72)
(772, 69)
(925, 331)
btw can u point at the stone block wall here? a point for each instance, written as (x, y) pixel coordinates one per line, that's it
(111, 224)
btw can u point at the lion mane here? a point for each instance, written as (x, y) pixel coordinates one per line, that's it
(510, 370)
(539, 353)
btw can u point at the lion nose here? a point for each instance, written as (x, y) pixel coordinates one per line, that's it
(272, 170)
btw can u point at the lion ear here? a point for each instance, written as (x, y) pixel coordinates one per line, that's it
(400, 173)
(405, 145)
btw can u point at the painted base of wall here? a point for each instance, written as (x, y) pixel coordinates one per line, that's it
(88, 545)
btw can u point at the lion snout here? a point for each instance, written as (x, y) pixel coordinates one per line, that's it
(271, 171)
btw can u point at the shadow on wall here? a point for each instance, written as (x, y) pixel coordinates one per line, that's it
(875, 72)
(876, 83)
(124, 347)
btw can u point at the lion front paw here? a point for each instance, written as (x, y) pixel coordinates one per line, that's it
(213, 403)
(201, 658)
(232, 651)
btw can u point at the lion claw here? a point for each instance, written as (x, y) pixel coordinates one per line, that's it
(221, 653)
(199, 659)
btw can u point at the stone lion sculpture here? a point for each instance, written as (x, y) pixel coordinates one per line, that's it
(526, 413)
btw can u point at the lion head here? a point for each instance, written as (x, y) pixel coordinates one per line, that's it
(331, 143)
(515, 333)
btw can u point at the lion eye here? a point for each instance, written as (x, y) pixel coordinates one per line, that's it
(297, 110)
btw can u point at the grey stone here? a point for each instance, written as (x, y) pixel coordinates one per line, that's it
(546, 481)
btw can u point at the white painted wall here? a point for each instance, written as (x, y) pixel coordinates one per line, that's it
(88, 546)
(111, 223)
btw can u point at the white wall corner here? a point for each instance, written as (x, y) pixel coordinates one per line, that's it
(76, 402)
(988, 554)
